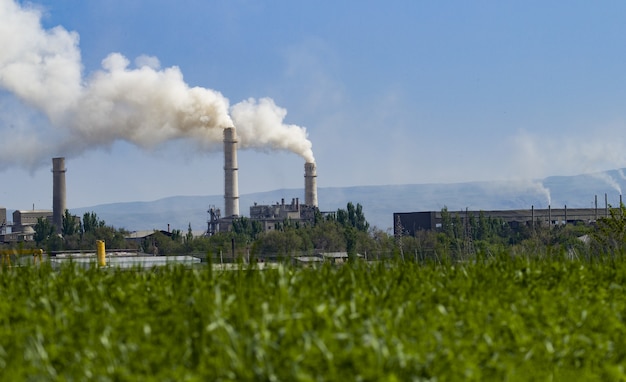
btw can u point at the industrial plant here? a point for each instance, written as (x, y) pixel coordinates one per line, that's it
(24, 221)
(268, 215)
(271, 217)
(22, 226)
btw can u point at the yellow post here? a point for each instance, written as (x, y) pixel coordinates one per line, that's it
(37, 256)
(102, 261)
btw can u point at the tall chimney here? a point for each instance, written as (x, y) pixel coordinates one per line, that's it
(310, 184)
(231, 186)
(58, 192)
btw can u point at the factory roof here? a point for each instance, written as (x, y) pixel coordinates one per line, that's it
(145, 233)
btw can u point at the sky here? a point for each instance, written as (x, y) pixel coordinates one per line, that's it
(134, 94)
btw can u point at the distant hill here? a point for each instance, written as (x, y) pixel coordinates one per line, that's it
(379, 202)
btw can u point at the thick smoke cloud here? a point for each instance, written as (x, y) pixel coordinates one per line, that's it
(256, 126)
(145, 106)
(141, 104)
(42, 67)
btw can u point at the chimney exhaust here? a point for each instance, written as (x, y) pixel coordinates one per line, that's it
(58, 192)
(231, 187)
(310, 184)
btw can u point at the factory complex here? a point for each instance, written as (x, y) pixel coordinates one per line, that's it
(22, 226)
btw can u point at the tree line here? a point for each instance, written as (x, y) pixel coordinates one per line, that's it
(347, 230)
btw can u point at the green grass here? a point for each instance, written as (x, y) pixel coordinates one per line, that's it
(498, 319)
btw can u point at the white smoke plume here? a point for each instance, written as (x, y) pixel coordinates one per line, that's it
(608, 179)
(42, 67)
(141, 104)
(522, 186)
(256, 126)
(538, 187)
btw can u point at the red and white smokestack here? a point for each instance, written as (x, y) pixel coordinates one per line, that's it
(231, 186)
(310, 184)
(58, 192)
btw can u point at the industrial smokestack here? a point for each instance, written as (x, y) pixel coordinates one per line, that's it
(231, 186)
(310, 184)
(58, 192)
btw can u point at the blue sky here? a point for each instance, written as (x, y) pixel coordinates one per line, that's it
(398, 92)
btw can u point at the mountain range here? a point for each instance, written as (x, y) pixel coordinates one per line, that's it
(379, 202)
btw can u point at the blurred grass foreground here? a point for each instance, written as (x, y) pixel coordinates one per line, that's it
(497, 318)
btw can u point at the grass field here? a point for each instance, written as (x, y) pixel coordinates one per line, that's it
(494, 319)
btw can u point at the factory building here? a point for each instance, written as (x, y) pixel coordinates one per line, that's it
(408, 223)
(23, 219)
(23, 225)
(271, 216)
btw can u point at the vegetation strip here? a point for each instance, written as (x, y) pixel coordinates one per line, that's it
(495, 318)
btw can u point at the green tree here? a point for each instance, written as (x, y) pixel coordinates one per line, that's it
(279, 243)
(483, 227)
(177, 236)
(328, 236)
(357, 218)
(610, 235)
(43, 231)
(189, 235)
(188, 241)
(70, 226)
(352, 217)
(250, 228)
(91, 222)
(446, 223)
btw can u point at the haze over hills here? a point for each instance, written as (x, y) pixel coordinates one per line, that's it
(379, 202)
